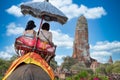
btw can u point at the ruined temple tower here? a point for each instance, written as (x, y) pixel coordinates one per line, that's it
(110, 60)
(80, 45)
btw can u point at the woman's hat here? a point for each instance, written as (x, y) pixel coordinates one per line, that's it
(31, 23)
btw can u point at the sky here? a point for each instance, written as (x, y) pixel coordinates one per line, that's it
(103, 27)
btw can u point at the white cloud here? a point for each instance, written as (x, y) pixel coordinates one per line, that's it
(5, 55)
(102, 50)
(72, 10)
(101, 59)
(59, 59)
(13, 29)
(10, 49)
(15, 10)
(109, 46)
(61, 39)
(92, 13)
(8, 53)
(101, 53)
(67, 7)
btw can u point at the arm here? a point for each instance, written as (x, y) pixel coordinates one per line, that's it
(34, 33)
(50, 36)
(24, 32)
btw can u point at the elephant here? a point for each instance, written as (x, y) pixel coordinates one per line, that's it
(28, 72)
(29, 67)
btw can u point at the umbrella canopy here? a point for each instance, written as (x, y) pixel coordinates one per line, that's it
(44, 10)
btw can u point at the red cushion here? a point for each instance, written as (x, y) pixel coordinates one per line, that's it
(28, 43)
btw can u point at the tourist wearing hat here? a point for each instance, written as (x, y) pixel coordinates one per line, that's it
(29, 30)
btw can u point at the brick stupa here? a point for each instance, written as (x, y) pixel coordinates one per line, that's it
(81, 45)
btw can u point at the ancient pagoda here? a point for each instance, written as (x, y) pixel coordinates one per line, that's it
(81, 45)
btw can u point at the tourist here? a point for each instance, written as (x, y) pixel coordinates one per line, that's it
(29, 30)
(45, 35)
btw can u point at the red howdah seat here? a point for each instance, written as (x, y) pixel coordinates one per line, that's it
(33, 44)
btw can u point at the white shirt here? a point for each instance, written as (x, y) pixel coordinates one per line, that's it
(47, 34)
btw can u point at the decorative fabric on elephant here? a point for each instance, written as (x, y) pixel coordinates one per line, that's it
(29, 58)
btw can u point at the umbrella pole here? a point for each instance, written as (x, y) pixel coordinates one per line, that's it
(40, 26)
(38, 34)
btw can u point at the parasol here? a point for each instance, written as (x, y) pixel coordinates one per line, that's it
(44, 10)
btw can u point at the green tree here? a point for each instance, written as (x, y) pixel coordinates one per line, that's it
(101, 69)
(53, 64)
(116, 67)
(78, 66)
(83, 74)
(68, 62)
(109, 68)
(4, 65)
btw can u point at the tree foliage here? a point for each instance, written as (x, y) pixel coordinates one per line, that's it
(4, 65)
(68, 62)
(53, 64)
(116, 67)
(102, 71)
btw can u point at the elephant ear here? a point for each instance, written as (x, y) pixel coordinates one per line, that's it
(28, 72)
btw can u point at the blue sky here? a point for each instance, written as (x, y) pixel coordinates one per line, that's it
(103, 27)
